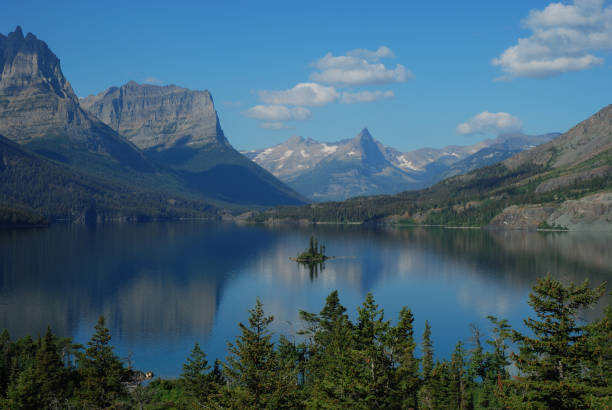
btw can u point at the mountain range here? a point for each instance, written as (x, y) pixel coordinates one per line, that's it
(156, 142)
(562, 184)
(363, 166)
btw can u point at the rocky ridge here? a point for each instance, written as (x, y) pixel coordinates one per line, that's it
(37, 104)
(158, 117)
(364, 166)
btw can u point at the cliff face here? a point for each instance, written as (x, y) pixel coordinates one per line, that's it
(37, 104)
(155, 117)
(35, 98)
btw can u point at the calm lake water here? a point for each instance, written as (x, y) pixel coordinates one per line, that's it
(165, 286)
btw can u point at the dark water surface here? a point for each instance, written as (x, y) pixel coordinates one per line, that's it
(165, 286)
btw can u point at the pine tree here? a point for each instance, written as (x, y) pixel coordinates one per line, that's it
(550, 361)
(50, 371)
(252, 368)
(598, 365)
(427, 352)
(426, 398)
(6, 353)
(101, 370)
(24, 391)
(334, 367)
(371, 345)
(457, 388)
(405, 374)
(195, 377)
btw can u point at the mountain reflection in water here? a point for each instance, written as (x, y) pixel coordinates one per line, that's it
(164, 286)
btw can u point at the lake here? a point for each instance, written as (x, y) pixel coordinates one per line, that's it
(164, 286)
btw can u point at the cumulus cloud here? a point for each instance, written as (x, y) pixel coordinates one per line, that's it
(489, 123)
(564, 37)
(359, 67)
(309, 94)
(152, 80)
(277, 113)
(272, 125)
(366, 96)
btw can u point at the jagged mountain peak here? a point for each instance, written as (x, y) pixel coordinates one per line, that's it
(18, 32)
(364, 134)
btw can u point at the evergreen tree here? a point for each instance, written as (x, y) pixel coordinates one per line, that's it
(252, 369)
(372, 344)
(195, 377)
(457, 387)
(598, 365)
(428, 388)
(6, 354)
(550, 361)
(334, 366)
(101, 370)
(50, 372)
(427, 351)
(405, 374)
(24, 391)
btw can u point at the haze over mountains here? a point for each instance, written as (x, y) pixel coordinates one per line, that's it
(364, 166)
(179, 153)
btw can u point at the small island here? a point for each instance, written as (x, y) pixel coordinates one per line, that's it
(314, 254)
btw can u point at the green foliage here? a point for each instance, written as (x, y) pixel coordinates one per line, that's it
(195, 377)
(101, 370)
(314, 254)
(369, 364)
(256, 377)
(553, 361)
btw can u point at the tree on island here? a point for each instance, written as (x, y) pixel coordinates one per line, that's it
(314, 254)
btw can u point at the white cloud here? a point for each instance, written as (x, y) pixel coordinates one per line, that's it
(152, 80)
(272, 125)
(310, 94)
(366, 96)
(359, 67)
(277, 113)
(382, 52)
(563, 38)
(488, 123)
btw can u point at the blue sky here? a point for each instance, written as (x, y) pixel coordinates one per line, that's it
(434, 71)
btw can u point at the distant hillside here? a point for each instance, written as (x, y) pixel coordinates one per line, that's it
(363, 166)
(179, 128)
(565, 183)
(34, 185)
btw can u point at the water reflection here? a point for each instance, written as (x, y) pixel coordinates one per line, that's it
(164, 286)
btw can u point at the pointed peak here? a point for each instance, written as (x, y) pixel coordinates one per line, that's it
(18, 31)
(364, 134)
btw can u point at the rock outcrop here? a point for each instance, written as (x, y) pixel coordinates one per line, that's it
(522, 217)
(37, 103)
(158, 117)
(592, 213)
